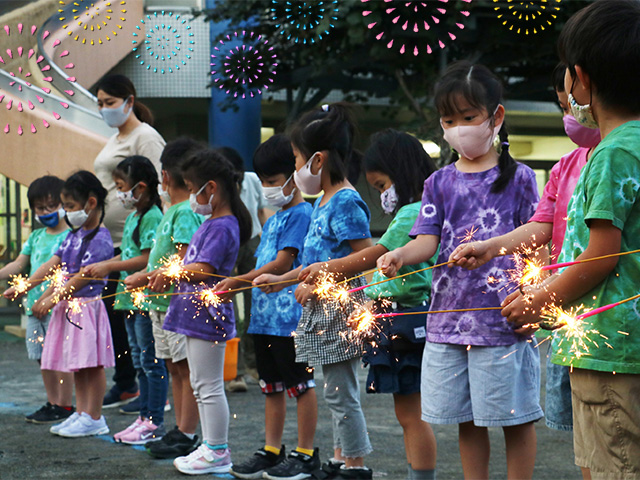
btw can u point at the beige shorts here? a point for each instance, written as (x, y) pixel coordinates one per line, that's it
(169, 345)
(606, 423)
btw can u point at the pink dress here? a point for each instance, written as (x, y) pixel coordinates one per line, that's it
(556, 195)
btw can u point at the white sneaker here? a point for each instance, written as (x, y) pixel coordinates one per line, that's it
(57, 427)
(85, 426)
(204, 460)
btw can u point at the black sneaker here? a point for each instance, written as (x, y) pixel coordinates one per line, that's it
(116, 397)
(173, 444)
(131, 408)
(296, 466)
(257, 464)
(355, 473)
(49, 413)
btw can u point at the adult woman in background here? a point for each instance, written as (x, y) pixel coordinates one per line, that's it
(119, 107)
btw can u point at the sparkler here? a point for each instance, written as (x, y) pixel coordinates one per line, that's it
(327, 289)
(174, 268)
(357, 289)
(210, 298)
(572, 330)
(20, 284)
(138, 297)
(74, 307)
(585, 260)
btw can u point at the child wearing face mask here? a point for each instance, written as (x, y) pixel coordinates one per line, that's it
(322, 142)
(136, 181)
(396, 165)
(476, 371)
(79, 336)
(208, 325)
(548, 224)
(599, 46)
(44, 199)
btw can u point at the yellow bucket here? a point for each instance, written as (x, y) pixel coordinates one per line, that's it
(231, 359)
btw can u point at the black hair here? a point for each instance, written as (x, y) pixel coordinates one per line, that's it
(44, 187)
(274, 156)
(208, 164)
(557, 77)
(80, 186)
(483, 91)
(135, 169)
(604, 40)
(174, 154)
(331, 128)
(236, 160)
(402, 157)
(120, 86)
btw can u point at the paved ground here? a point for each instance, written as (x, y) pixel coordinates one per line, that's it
(29, 451)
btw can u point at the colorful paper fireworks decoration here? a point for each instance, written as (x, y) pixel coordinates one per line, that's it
(24, 79)
(527, 17)
(167, 45)
(246, 67)
(93, 17)
(304, 21)
(417, 18)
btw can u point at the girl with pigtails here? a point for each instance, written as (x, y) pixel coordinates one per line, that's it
(477, 371)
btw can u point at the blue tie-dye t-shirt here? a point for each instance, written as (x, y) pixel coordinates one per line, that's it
(278, 313)
(343, 218)
(458, 206)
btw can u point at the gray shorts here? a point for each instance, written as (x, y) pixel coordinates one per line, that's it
(491, 386)
(34, 337)
(169, 345)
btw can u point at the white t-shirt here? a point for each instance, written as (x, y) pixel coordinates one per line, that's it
(251, 196)
(145, 141)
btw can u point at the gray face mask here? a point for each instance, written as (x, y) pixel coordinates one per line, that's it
(116, 117)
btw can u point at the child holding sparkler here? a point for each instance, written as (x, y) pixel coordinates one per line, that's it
(136, 182)
(44, 199)
(476, 372)
(173, 235)
(274, 317)
(209, 324)
(600, 46)
(396, 165)
(322, 143)
(79, 336)
(548, 224)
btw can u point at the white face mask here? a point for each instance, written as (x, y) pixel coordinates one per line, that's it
(309, 183)
(163, 194)
(201, 209)
(275, 195)
(116, 117)
(77, 219)
(582, 113)
(471, 141)
(128, 200)
(389, 200)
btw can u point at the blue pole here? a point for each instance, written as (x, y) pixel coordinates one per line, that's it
(236, 129)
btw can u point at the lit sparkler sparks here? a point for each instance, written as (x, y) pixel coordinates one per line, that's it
(468, 234)
(138, 298)
(58, 278)
(174, 268)
(210, 298)
(20, 284)
(74, 306)
(327, 289)
(578, 335)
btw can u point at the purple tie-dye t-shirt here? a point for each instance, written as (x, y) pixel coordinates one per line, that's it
(457, 206)
(216, 242)
(74, 254)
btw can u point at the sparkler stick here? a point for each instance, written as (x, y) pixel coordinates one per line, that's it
(454, 310)
(585, 260)
(357, 289)
(598, 310)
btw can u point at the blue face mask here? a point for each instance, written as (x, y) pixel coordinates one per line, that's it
(51, 219)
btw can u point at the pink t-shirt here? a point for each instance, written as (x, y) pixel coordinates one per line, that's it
(557, 193)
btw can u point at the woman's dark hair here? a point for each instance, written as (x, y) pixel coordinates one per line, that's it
(330, 128)
(135, 169)
(236, 160)
(274, 156)
(402, 157)
(44, 187)
(557, 77)
(603, 40)
(120, 86)
(174, 154)
(482, 90)
(80, 186)
(209, 164)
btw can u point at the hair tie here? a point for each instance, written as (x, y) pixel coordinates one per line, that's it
(325, 107)
(505, 144)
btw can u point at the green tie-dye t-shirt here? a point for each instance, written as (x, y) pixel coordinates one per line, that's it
(608, 189)
(129, 248)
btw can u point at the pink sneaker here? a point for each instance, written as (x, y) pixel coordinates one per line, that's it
(146, 432)
(118, 436)
(204, 460)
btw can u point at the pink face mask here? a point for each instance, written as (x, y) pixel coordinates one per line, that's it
(579, 134)
(471, 141)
